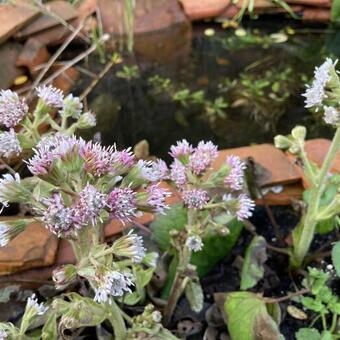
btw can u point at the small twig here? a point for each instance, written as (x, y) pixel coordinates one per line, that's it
(95, 81)
(7, 167)
(74, 61)
(271, 218)
(287, 297)
(141, 226)
(45, 10)
(53, 59)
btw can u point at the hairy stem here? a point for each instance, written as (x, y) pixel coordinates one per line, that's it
(305, 238)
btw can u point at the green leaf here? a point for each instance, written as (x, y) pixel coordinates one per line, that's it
(175, 218)
(215, 248)
(170, 279)
(132, 298)
(194, 294)
(308, 334)
(335, 13)
(248, 318)
(252, 269)
(336, 257)
(49, 331)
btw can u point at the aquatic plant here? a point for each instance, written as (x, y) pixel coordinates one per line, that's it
(262, 95)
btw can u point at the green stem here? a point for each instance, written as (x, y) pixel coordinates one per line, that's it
(334, 323)
(116, 319)
(305, 238)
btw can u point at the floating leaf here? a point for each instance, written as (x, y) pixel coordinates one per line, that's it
(252, 269)
(248, 317)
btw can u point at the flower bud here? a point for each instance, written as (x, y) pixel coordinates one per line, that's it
(63, 276)
(72, 107)
(299, 133)
(87, 120)
(282, 142)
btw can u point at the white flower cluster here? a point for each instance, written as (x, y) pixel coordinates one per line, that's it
(316, 92)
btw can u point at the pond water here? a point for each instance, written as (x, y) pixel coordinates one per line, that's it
(234, 87)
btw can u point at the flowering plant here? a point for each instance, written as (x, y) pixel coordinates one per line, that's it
(212, 199)
(23, 129)
(322, 94)
(76, 187)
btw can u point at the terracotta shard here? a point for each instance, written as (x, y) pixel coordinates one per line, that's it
(273, 160)
(35, 247)
(64, 10)
(33, 54)
(9, 53)
(14, 17)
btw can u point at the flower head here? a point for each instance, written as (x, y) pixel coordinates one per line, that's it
(130, 245)
(50, 149)
(12, 108)
(234, 179)
(3, 335)
(112, 283)
(51, 96)
(9, 144)
(8, 188)
(72, 107)
(315, 93)
(331, 115)
(195, 198)
(242, 205)
(178, 173)
(194, 243)
(122, 203)
(59, 219)
(182, 148)
(202, 157)
(156, 198)
(98, 159)
(89, 205)
(37, 308)
(87, 120)
(150, 171)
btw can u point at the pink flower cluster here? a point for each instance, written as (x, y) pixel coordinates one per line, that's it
(12, 108)
(98, 160)
(188, 170)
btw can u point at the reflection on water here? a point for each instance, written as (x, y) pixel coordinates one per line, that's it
(234, 89)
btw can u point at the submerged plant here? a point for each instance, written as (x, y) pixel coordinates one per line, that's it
(263, 96)
(323, 94)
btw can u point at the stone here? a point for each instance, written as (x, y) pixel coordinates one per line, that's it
(316, 14)
(35, 247)
(14, 17)
(280, 170)
(33, 54)
(9, 53)
(204, 9)
(63, 9)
